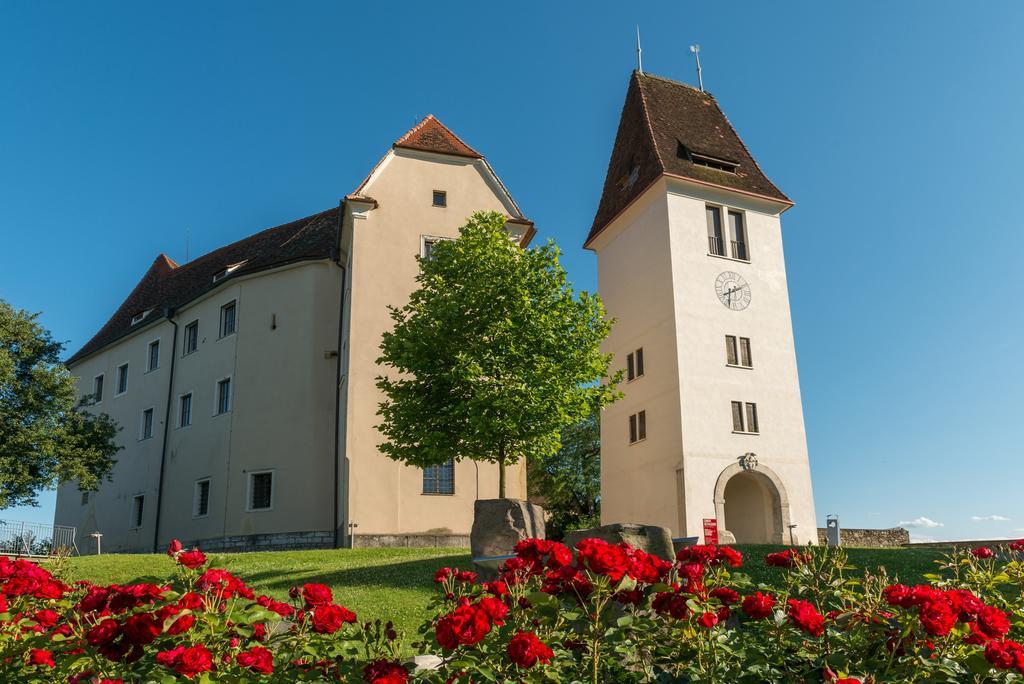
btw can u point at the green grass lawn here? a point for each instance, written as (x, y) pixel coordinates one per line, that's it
(396, 584)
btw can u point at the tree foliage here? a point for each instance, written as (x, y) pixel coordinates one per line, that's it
(46, 437)
(494, 354)
(570, 479)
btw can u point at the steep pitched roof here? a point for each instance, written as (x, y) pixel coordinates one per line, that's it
(431, 135)
(663, 126)
(166, 284)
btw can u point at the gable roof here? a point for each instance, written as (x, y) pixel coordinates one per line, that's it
(166, 284)
(431, 135)
(663, 124)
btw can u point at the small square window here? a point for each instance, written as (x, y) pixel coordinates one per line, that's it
(440, 198)
(439, 479)
(201, 499)
(261, 491)
(227, 319)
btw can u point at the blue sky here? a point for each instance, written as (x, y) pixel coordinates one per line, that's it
(896, 127)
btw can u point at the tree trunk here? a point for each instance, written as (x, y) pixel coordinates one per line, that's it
(501, 471)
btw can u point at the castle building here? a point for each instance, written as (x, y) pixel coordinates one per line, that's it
(690, 263)
(244, 380)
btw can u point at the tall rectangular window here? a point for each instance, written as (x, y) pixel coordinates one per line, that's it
(635, 364)
(191, 338)
(138, 506)
(716, 243)
(224, 395)
(185, 410)
(97, 388)
(731, 351)
(85, 498)
(752, 418)
(439, 479)
(737, 416)
(261, 491)
(738, 236)
(227, 319)
(146, 429)
(122, 379)
(638, 427)
(746, 360)
(153, 358)
(201, 499)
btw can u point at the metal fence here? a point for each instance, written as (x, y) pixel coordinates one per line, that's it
(19, 538)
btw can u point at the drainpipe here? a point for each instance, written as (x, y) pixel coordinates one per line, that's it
(169, 314)
(337, 383)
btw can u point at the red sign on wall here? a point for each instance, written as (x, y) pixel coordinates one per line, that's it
(710, 531)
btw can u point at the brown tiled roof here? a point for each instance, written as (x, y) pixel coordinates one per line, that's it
(433, 136)
(663, 124)
(167, 284)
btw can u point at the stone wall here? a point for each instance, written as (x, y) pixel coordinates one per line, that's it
(370, 541)
(877, 539)
(283, 541)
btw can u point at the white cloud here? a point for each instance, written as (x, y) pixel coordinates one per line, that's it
(989, 518)
(920, 522)
(921, 539)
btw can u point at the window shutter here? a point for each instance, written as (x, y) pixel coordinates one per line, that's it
(640, 361)
(630, 367)
(730, 349)
(737, 416)
(752, 418)
(641, 421)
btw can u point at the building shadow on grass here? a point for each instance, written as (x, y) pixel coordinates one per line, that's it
(418, 574)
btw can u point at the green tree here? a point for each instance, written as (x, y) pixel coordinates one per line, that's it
(570, 479)
(45, 436)
(494, 354)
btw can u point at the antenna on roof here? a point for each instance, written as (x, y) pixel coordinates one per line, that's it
(695, 49)
(639, 57)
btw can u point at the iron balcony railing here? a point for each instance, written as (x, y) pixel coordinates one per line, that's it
(716, 245)
(739, 250)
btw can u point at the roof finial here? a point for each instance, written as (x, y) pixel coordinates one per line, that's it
(639, 57)
(695, 49)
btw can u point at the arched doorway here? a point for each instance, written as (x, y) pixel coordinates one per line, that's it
(751, 503)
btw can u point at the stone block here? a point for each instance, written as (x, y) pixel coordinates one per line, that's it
(500, 524)
(650, 538)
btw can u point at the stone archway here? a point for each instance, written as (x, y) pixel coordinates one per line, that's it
(751, 503)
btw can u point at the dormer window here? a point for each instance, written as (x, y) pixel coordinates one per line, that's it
(137, 318)
(220, 275)
(707, 160)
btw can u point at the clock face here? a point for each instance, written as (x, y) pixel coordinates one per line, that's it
(733, 291)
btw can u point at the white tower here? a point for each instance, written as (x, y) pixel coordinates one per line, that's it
(690, 263)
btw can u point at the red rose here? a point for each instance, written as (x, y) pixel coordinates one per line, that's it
(691, 571)
(102, 632)
(141, 629)
(790, 558)
(703, 554)
(189, 662)
(982, 552)
(525, 649)
(1017, 545)
(806, 617)
(317, 594)
(495, 608)
(174, 547)
(726, 595)
(257, 659)
(993, 622)
(730, 556)
(672, 604)
(46, 618)
(38, 656)
(937, 617)
(329, 619)
(192, 559)
(182, 624)
(603, 558)
(897, 595)
(496, 588)
(385, 672)
(442, 575)
(190, 601)
(645, 567)
(1004, 654)
(708, 620)
(466, 576)
(466, 625)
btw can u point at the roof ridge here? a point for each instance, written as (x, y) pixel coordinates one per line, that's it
(675, 82)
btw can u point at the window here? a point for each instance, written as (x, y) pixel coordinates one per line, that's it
(153, 358)
(191, 338)
(224, 395)
(738, 235)
(85, 498)
(146, 430)
(635, 364)
(739, 415)
(714, 162)
(122, 379)
(440, 198)
(737, 351)
(138, 505)
(185, 410)
(201, 499)
(137, 318)
(97, 388)
(716, 245)
(227, 319)
(638, 427)
(439, 479)
(261, 491)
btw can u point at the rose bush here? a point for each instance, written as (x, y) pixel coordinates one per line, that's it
(606, 613)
